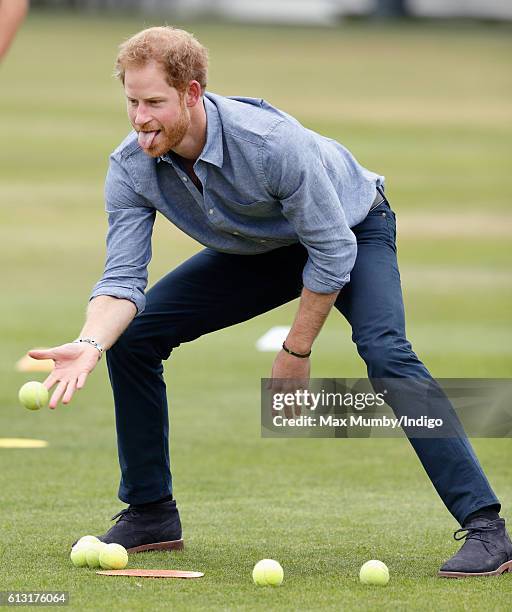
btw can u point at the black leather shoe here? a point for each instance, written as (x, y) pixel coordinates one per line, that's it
(487, 550)
(141, 528)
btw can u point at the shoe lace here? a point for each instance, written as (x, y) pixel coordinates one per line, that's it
(125, 515)
(474, 533)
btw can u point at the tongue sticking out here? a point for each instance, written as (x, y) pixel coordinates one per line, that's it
(146, 139)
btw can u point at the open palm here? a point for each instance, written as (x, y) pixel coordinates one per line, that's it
(73, 363)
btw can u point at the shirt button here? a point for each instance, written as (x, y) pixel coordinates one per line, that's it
(263, 241)
(211, 211)
(185, 179)
(235, 233)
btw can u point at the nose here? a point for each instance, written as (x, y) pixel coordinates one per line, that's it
(142, 115)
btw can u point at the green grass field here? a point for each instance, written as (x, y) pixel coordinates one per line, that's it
(429, 107)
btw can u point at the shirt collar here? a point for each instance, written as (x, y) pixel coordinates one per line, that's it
(212, 151)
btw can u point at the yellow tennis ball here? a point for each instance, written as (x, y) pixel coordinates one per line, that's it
(374, 572)
(33, 395)
(87, 538)
(77, 556)
(267, 572)
(92, 553)
(113, 556)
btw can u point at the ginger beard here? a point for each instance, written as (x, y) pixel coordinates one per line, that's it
(157, 139)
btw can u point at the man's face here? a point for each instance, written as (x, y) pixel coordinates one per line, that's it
(156, 110)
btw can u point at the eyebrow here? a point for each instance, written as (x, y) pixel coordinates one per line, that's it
(151, 99)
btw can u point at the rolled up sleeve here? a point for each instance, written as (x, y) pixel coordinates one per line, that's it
(296, 176)
(130, 227)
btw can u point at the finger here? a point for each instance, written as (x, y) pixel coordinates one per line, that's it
(81, 380)
(51, 380)
(42, 354)
(270, 381)
(69, 392)
(57, 394)
(273, 411)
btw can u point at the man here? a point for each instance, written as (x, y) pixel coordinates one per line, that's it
(283, 212)
(12, 14)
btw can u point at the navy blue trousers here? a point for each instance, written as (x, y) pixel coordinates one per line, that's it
(214, 290)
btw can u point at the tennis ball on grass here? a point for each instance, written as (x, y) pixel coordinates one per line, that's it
(113, 556)
(87, 538)
(92, 553)
(267, 572)
(33, 395)
(77, 556)
(374, 572)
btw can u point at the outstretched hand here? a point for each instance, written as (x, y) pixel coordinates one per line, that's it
(73, 363)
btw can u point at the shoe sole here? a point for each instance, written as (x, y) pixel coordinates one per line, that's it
(171, 545)
(504, 567)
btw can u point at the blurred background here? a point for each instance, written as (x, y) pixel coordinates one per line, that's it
(309, 12)
(419, 91)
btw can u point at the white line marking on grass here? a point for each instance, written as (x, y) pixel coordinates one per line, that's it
(273, 339)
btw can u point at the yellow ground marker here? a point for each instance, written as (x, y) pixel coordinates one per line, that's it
(27, 364)
(22, 443)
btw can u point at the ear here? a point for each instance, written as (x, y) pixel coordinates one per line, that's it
(193, 93)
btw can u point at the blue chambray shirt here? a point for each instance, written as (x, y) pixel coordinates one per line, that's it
(267, 182)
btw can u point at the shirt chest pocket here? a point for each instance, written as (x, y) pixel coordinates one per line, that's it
(259, 209)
